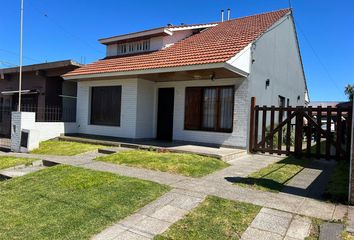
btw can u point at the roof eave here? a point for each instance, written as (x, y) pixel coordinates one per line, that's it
(160, 70)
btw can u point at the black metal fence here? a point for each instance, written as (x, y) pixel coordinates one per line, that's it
(45, 114)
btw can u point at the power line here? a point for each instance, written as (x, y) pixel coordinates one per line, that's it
(45, 15)
(9, 64)
(318, 58)
(16, 54)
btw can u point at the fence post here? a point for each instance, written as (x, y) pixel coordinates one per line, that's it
(251, 134)
(298, 131)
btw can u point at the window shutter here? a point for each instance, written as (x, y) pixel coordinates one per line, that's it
(192, 118)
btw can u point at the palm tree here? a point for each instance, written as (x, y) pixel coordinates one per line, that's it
(349, 91)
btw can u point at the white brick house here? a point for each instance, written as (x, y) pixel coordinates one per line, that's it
(191, 82)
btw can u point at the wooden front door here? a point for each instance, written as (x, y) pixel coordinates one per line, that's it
(165, 113)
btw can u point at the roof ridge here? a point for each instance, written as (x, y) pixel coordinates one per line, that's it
(259, 14)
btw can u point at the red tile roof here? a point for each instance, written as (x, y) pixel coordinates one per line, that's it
(214, 45)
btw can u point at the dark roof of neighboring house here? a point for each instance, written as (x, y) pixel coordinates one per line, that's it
(331, 104)
(41, 66)
(213, 45)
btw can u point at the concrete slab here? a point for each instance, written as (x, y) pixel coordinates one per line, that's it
(318, 209)
(331, 231)
(271, 223)
(350, 222)
(169, 213)
(257, 234)
(299, 228)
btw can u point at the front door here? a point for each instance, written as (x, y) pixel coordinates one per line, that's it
(165, 113)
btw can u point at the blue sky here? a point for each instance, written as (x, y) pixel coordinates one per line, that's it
(69, 29)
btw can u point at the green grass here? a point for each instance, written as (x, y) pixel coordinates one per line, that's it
(6, 162)
(337, 188)
(178, 163)
(274, 176)
(64, 202)
(64, 148)
(315, 229)
(215, 218)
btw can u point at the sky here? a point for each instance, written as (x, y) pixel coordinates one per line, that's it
(69, 29)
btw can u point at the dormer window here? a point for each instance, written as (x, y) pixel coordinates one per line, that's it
(133, 47)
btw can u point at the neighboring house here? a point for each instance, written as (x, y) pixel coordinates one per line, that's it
(191, 82)
(42, 87)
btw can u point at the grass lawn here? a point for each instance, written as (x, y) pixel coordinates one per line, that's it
(64, 202)
(276, 175)
(179, 163)
(337, 188)
(6, 162)
(64, 148)
(215, 218)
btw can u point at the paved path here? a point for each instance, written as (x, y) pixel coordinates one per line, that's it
(283, 202)
(273, 225)
(159, 215)
(241, 167)
(21, 170)
(312, 180)
(154, 218)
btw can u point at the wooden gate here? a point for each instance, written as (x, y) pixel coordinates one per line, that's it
(320, 132)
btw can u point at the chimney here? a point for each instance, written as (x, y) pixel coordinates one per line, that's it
(222, 15)
(228, 13)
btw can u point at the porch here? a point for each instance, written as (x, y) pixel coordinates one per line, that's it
(211, 150)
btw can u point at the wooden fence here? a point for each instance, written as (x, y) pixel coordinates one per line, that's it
(320, 132)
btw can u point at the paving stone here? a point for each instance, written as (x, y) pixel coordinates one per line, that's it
(276, 213)
(350, 222)
(128, 235)
(169, 214)
(331, 231)
(299, 227)
(186, 202)
(339, 212)
(271, 223)
(152, 225)
(132, 220)
(316, 209)
(257, 234)
(110, 233)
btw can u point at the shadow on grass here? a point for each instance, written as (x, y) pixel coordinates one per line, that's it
(269, 184)
(274, 176)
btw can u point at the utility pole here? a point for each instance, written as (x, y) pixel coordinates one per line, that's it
(20, 77)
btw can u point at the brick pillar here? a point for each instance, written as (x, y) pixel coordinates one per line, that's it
(19, 121)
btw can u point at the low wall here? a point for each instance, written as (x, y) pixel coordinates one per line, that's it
(38, 131)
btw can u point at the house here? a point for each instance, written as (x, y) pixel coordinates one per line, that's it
(191, 82)
(42, 87)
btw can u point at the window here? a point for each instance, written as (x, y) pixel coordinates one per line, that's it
(1, 108)
(133, 47)
(106, 105)
(209, 108)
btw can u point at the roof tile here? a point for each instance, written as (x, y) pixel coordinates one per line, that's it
(213, 45)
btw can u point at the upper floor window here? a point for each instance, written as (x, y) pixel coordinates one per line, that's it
(133, 47)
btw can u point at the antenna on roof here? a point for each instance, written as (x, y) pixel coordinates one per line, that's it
(228, 13)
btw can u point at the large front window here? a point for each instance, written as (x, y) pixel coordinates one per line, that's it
(209, 108)
(106, 105)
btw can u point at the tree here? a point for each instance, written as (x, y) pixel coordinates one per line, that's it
(349, 91)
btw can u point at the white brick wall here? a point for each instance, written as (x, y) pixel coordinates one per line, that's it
(127, 127)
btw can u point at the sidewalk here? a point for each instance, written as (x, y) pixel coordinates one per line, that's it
(210, 185)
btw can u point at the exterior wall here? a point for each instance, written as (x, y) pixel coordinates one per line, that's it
(276, 57)
(38, 131)
(127, 127)
(238, 138)
(156, 43)
(145, 109)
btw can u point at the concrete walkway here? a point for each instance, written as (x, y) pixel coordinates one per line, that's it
(273, 225)
(312, 180)
(21, 170)
(213, 186)
(154, 218)
(159, 215)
